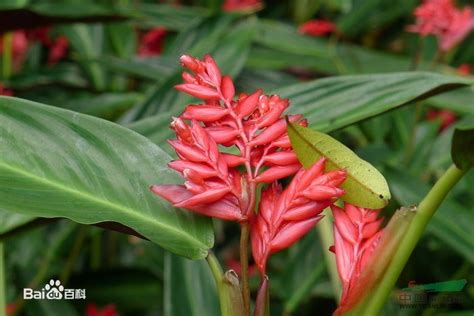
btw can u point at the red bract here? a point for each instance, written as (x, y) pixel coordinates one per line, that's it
(442, 19)
(357, 232)
(317, 27)
(57, 46)
(242, 5)
(286, 215)
(151, 43)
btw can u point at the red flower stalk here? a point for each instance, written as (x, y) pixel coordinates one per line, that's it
(442, 19)
(152, 42)
(286, 216)
(241, 5)
(357, 232)
(317, 28)
(215, 184)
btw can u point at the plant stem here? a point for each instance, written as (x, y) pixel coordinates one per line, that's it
(244, 264)
(425, 211)
(327, 240)
(218, 276)
(3, 293)
(7, 55)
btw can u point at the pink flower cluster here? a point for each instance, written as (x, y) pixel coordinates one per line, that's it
(442, 19)
(152, 42)
(223, 183)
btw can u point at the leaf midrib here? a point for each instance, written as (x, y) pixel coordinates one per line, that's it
(85, 196)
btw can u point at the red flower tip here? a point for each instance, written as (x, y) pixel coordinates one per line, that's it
(317, 28)
(4, 91)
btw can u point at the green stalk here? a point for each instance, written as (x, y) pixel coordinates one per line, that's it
(327, 240)
(230, 297)
(425, 211)
(7, 55)
(244, 263)
(3, 293)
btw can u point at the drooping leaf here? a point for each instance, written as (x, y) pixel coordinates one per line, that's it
(58, 163)
(365, 186)
(189, 288)
(462, 149)
(332, 103)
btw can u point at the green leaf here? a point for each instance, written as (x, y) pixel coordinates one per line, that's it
(189, 288)
(335, 102)
(9, 221)
(365, 186)
(58, 163)
(462, 149)
(171, 17)
(87, 42)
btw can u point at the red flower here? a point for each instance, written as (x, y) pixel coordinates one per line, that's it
(108, 310)
(58, 49)
(464, 69)
(4, 91)
(242, 5)
(442, 19)
(151, 43)
(215, 184)
(317, 28)
(446, 117)
(357, 232)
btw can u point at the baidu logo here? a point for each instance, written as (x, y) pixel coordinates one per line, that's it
(54, 290)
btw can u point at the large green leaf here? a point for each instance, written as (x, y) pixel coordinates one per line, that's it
(170, 16)
(332, 103)
(365, 186)
(189, 288)
(58, 163)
